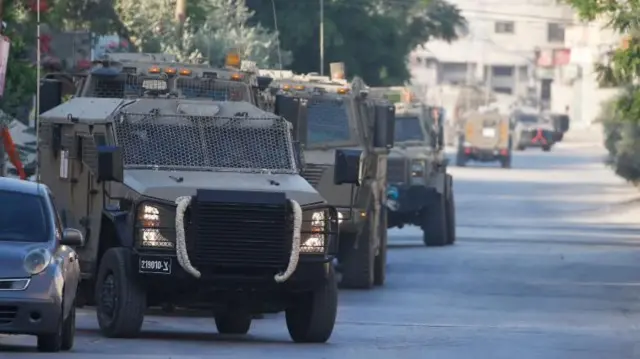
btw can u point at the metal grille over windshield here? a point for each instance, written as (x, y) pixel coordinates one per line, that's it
(328, 122)
(213, 89)
(205, 143)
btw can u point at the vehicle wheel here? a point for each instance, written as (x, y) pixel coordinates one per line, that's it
(520, 148)
(233, 323)
(434, 222)
(380, 261)
(451, 212)
(52, 343)
(546, 148)
(69, 330)
(357, 264)
(505, 162)
(120, 302)
(311, 316)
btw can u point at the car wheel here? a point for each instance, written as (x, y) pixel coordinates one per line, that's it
(120, 301)
(546, 148)
(233, 323)
(311, 316)
(52, 343)
(69, 330)
(357, 263)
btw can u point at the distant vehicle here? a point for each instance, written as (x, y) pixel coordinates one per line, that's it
(39, 270)
(532, 130)
(486, 138)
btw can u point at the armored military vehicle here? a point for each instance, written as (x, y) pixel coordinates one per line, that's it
(532, 129)
(330, 115)
(420, 191)
(189, 201)
(487, 138)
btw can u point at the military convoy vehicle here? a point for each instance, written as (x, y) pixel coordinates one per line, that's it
(532, 129)
(487, 138)
(189, 199)
(330, 115)
(560, 123)
(419, 190)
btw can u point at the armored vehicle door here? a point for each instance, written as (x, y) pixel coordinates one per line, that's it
(484, 130)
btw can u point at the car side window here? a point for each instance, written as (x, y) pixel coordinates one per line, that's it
(56, 214)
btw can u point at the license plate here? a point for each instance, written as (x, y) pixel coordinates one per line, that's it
(489, 132)
(155, 265)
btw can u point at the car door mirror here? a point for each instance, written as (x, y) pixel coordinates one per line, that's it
(384, 127)
(347, 167)
(110, 166)
(72, 237)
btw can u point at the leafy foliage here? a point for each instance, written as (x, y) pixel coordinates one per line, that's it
(372, 37)
(223, 27)
(623, 67)
(20, 81)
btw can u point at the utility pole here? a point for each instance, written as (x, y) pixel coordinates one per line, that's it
(321, 37)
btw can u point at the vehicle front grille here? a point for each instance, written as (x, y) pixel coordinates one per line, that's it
(244, 236)
(313, 173)
(7, 314)
(396, 170)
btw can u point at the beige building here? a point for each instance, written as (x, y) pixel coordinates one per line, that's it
(499, 49)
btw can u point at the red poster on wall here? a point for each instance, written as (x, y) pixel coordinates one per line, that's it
(4, 59)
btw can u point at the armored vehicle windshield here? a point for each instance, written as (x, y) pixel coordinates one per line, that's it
(408, 129)
(327, 121)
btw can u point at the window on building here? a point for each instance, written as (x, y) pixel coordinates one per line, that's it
(504, 90)
(504, 27)
(502, 71)
(555, 32)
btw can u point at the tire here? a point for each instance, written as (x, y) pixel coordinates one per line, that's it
(69, 330)
(357, 264)
(380, 261)
(451, 212)
(434, 222)
(546, 148)
(311, 316)
(521, 147)
(461, 160)
(52, 343)
(233, 323)
(124, 318)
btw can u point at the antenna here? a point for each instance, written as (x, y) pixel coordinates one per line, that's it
(38, 66)
(275, 24)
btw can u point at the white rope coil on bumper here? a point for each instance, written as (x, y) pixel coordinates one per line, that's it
(295, 247)
(181, 245)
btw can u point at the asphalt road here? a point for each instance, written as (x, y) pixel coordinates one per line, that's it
(547, 265)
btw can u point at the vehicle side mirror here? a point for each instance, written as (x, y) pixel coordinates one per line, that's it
(110, 165)
(264, 82)
(72, 237)
(299, 157)
(50, 94)
(347, 167)
(384, 127)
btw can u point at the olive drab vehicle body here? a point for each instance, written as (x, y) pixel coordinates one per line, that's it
(486, 138)
(188, 195)
(419, 191)
(335, 124)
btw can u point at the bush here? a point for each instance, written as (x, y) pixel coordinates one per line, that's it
(622, 141)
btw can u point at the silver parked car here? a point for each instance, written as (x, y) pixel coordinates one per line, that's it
(39, 271)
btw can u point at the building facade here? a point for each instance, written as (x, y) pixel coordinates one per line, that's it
(502, 47)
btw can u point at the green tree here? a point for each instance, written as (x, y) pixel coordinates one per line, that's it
(20, 80)
(223, 27)
(372, 37)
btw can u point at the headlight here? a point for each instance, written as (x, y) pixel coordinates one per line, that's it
(156, 226)
(417, 169)
(37, 261)
(315, 225)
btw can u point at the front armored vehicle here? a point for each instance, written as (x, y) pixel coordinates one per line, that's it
(486, 138)
(532, 129)
(420, 191)
(192, 203)
(345, 138)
